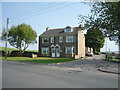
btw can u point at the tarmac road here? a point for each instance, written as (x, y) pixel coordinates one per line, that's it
(24, 75)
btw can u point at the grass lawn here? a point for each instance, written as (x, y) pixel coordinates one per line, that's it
(116, 60)
(38, 59)
(8, 49)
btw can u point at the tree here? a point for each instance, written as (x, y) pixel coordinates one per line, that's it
(3, 35)
(94, 39)
(105, 16)
(21, 37)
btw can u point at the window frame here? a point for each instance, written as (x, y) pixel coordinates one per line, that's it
(60, 39)
(43, 38)
(66, 50)
(70, 29)
(52, 40)
(68, 37)
(46, 50)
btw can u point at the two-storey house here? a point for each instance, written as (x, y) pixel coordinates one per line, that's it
(66, 42)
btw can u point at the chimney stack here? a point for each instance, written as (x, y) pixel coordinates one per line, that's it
(47, 29)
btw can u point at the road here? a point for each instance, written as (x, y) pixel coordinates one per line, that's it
(22, 75)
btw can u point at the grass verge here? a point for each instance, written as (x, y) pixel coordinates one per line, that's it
(115, 60)
(38, 59)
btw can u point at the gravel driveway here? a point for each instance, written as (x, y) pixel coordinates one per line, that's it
(90, 64)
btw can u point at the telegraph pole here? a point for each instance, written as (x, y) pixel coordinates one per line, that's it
(6, 38)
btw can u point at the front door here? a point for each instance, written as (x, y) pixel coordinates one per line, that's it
(53, 51)
(57, 52)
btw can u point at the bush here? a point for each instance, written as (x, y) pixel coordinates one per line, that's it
(16, 53)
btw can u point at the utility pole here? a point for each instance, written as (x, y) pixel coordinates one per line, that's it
(6, 38)
(106, 54)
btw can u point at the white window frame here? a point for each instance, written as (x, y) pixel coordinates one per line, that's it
(52, 39)
(61, 39)
(45, 38)
(66, 50)
(46, 50)
(68, 29)
(69, 37)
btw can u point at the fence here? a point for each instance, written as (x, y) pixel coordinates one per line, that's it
(114, 57)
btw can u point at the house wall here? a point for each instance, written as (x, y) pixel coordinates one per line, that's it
(81, 45)
(62, 46)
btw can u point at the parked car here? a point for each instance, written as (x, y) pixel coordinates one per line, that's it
(116, 53)
(89, 53)
(103, 53)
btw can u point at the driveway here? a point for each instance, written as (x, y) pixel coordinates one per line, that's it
(90, 64)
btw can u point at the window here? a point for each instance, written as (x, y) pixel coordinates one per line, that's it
(60, 39)
(68, 29)
(52, 40)
(69, 38)
(45, 50)
(69, 50)
(45, 40)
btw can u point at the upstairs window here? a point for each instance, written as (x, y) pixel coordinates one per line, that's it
(52, 40)
(45, 40)
(68, 29)
(69, 38)
(60, 39)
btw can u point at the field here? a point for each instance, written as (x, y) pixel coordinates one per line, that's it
(12, 49)
(114, 58)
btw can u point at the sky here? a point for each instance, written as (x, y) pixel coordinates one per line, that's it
(40, 15)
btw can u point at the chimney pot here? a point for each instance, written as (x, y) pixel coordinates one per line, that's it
(47, 29)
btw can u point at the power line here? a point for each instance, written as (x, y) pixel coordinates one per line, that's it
(42, 10)
(51, 10)
(24, 12)
(36, 9)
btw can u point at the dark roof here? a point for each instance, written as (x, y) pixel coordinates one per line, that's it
(58, 32)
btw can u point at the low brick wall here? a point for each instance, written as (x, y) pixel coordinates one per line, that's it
(34, 55)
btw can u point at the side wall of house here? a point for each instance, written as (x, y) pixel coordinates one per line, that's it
(81, 44)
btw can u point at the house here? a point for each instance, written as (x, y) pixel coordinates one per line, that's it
(68, 42)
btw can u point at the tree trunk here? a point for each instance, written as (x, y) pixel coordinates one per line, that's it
(20, 53)
(94, 49)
